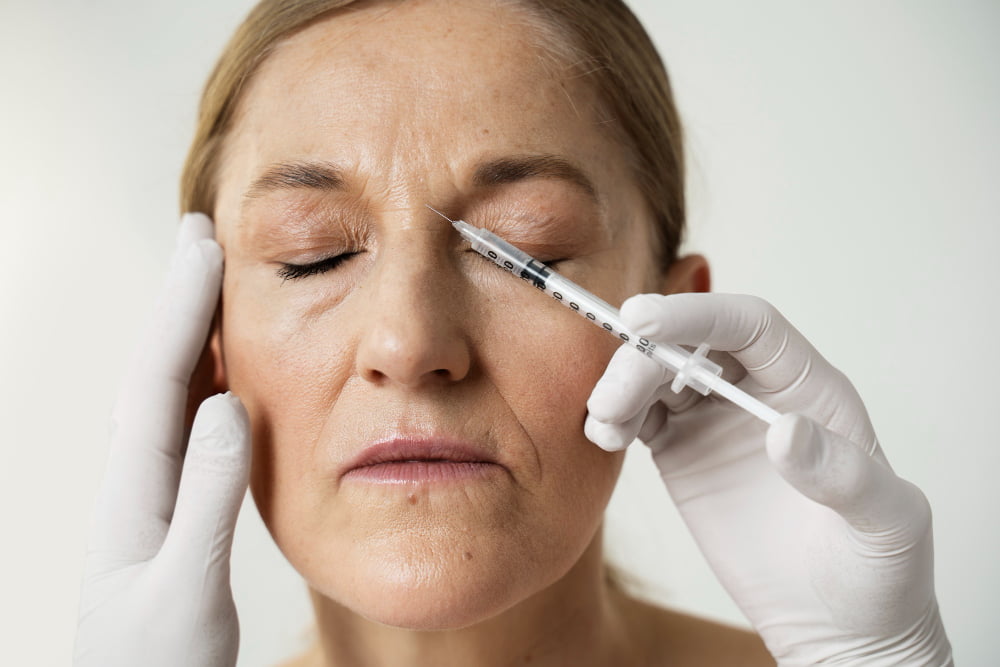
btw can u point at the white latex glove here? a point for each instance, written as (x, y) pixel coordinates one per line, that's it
(823, 547)
(156, 583)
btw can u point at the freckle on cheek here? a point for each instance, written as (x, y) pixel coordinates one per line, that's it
(467, 555)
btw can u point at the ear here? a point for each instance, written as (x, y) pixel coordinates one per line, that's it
(220, 383)
(209, 376)
(687, 274)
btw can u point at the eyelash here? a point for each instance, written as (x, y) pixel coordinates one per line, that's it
(299, 271)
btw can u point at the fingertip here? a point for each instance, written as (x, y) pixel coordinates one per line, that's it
(199, 224)
(792, 443)
(198, 218)
(834, 472)
(606, 436)
(221, 425)
(225, 405)
(599, 403)
(625, 387)
(642, 313)
(213, 484)
(194, 227)
(199, 270)
(798, 450)
(207, 251)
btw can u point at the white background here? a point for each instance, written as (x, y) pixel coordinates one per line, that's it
(844, 162)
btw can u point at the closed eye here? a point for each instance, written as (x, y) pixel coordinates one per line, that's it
(299, 271)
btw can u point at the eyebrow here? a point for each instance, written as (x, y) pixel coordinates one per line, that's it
(522, 167)
(328, 177)
(324, 176)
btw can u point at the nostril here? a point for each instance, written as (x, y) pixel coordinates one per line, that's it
(374, 375)
(410, 350)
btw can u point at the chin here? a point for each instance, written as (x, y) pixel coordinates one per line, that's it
(451, 591)
(420, 611)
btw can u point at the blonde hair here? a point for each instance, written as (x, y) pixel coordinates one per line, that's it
(605, 40)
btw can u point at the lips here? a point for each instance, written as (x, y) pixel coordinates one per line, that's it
(405, 460)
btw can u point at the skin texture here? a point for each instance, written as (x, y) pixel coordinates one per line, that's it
(417, 336)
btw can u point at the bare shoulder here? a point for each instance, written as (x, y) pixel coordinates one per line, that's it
(299, 661)
(671, 637)
(311, 658)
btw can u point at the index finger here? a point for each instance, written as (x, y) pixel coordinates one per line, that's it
(137, 496)
(747, 327)
(778, 358)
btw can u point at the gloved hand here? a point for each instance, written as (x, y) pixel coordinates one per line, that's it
(823, 547)
(156, 583)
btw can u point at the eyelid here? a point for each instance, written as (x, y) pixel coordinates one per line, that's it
(289, 271)
(540, 219)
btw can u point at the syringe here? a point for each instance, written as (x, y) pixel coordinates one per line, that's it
(692, 369)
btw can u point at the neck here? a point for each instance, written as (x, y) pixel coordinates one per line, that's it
(575, 621)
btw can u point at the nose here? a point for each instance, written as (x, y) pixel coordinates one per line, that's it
(413, 329)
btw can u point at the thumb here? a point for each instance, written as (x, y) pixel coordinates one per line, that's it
(835, 472)
(213, 483)
(879, 581)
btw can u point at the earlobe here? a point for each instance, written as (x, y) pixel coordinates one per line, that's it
(209, 376)
(687, 274)
(220, 382)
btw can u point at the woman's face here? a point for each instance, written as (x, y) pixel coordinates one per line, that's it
(418, 413)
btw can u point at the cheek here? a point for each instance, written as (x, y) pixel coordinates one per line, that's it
(535, 363)
(545, 372)
(287, 369)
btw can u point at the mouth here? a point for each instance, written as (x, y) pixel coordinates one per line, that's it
(408, 461)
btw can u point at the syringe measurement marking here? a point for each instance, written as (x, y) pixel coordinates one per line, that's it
(694, 370)
(538, 276)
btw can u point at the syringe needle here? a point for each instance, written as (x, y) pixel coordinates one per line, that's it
(694, 370)
(440, 213)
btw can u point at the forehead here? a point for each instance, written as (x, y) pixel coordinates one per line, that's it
(415, 85)
(428, 53)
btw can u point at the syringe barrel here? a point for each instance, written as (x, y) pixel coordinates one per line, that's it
(559, 288)
(596, 310)
(504, 254)
(692, 369)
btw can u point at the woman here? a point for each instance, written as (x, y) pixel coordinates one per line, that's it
(421, 423)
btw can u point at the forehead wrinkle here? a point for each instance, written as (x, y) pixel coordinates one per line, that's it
(547, 56)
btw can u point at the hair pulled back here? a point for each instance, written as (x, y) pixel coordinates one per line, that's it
(603, 39)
